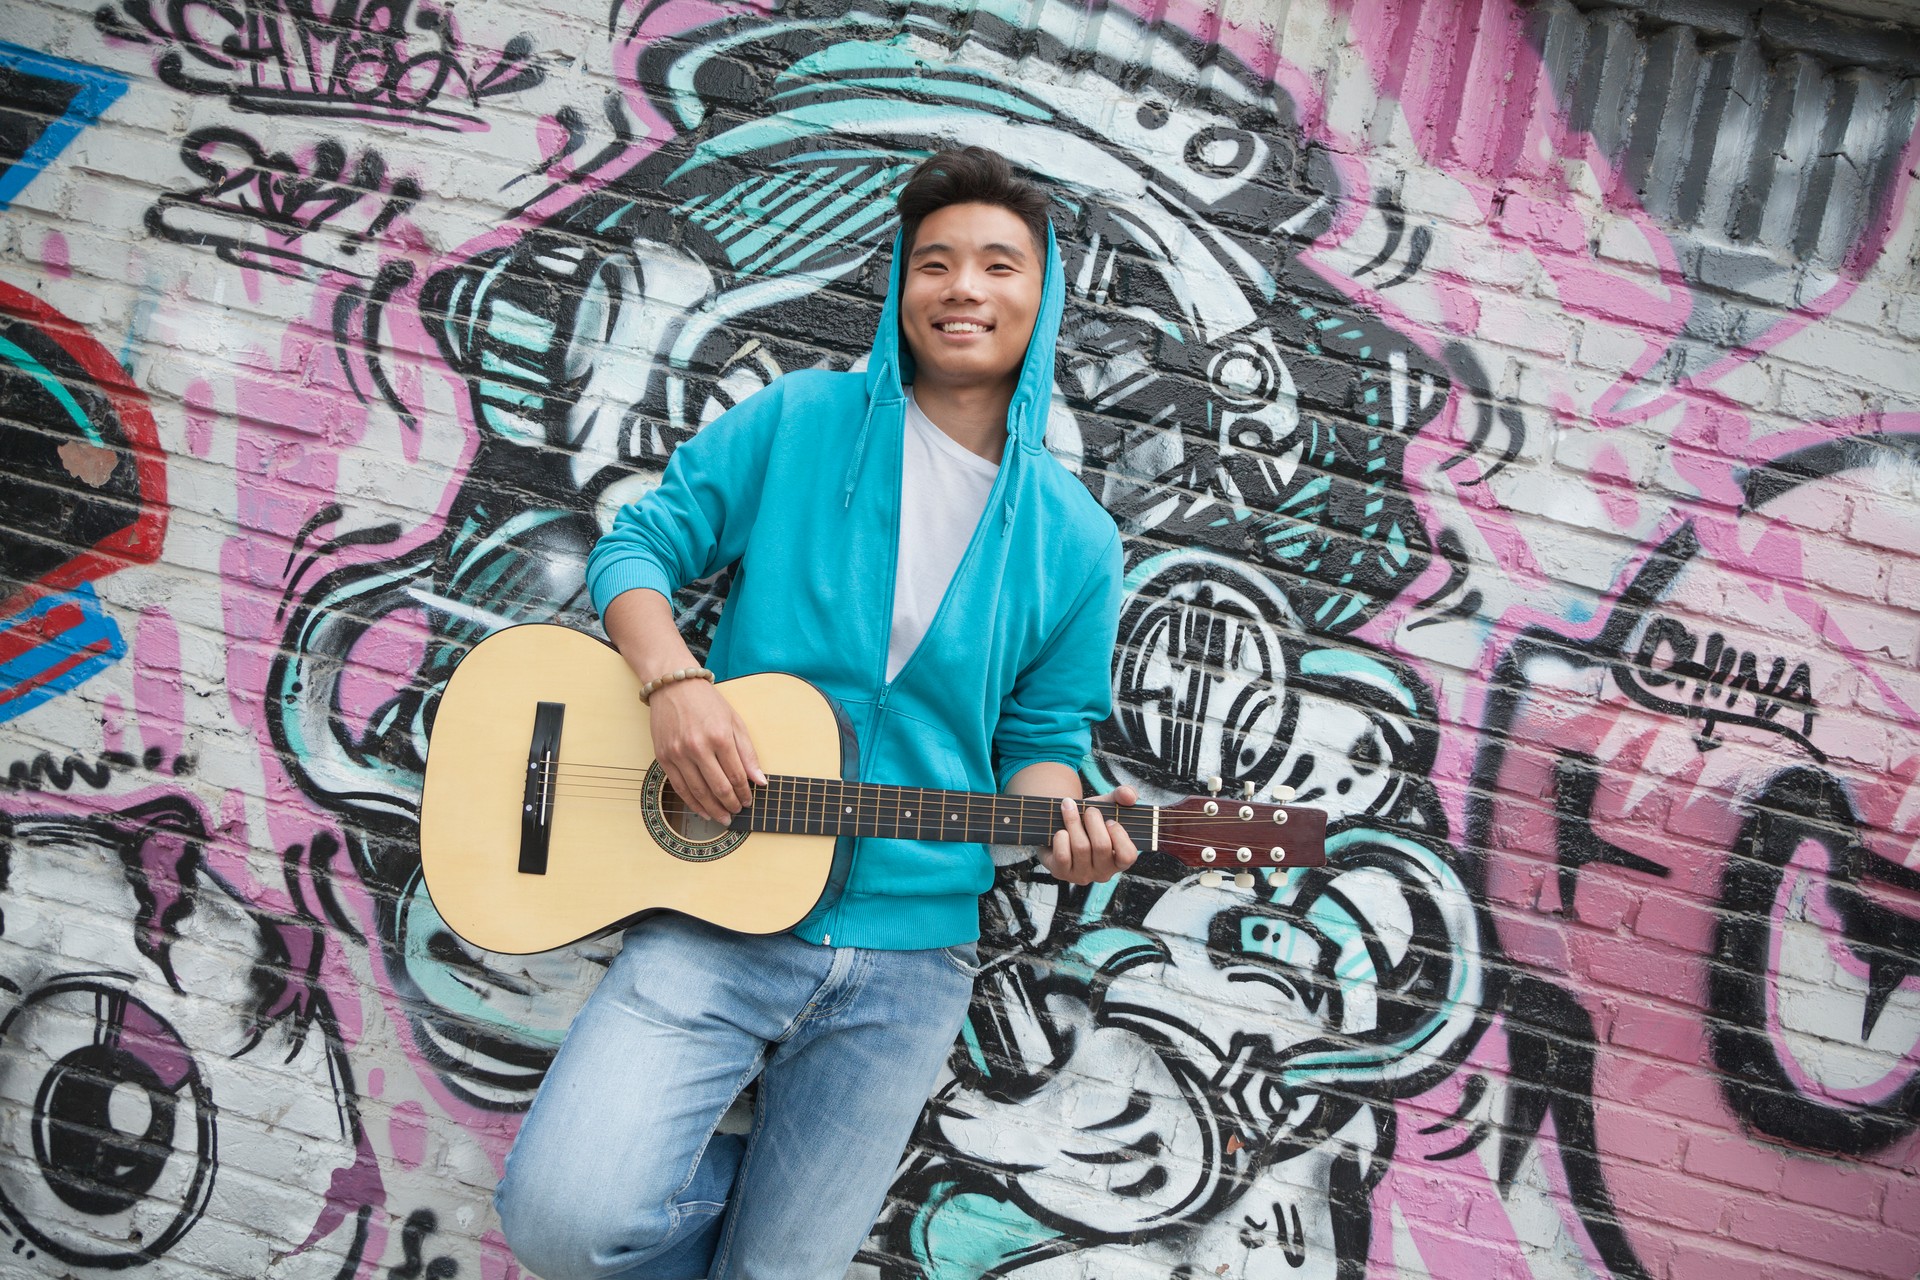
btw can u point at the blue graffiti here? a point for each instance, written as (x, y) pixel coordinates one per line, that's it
(61, 641)
(50, 101)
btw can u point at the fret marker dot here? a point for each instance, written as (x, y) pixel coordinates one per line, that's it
(953, 817)
(849, 808)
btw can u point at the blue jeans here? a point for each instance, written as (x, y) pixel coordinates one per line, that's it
(617, 1171)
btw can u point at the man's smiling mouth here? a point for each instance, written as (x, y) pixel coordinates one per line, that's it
(962, 326)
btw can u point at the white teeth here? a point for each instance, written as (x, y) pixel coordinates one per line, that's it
(960, 326)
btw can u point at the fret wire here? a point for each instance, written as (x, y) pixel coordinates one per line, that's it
(795, 804)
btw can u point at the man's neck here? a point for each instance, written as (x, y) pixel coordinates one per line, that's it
(974, 417)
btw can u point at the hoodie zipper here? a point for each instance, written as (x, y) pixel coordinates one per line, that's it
(1025, 406)
(996, 496)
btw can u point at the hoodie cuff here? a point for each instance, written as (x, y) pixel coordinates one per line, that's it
(1008, 771)
(627, 575)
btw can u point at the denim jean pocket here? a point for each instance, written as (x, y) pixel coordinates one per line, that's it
(965, 957)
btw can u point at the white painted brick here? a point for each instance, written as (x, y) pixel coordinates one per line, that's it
(1819, 396)
(1518, 324)
(1903, 585)
(1426, 194)
(1623, 240)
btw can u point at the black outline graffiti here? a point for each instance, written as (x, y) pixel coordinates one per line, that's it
(1233, 1080)
(89, 1165)
(1418, 244)
(44, 771)
(1723, 676)
(361, 338)
(355, 60)
(160, 846)
(421, 1224)
(1487, 410)
(284, 198)
(1798, 807)
(1459, 570)
(1576, 846)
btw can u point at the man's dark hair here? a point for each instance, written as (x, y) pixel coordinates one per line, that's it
(971, 175)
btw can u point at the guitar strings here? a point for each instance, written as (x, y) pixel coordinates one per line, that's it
(784, 797)
(789, 787)
(585, 773)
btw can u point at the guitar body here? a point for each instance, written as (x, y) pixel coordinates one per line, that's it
(602, 861)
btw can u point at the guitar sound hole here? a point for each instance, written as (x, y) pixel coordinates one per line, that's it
(686, 822)
(679, 830)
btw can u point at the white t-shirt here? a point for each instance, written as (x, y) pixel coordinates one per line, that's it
(943, 490)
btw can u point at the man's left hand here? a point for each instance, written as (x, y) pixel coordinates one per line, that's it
(1092, 847)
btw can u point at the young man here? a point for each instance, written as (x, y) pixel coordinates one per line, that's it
(906, 543)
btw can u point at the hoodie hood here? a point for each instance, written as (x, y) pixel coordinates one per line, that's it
(890, 365)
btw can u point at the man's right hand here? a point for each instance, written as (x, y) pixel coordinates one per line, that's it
(698, 740)
(703, 747)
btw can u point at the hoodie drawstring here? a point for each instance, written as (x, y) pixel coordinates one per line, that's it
(860, 441)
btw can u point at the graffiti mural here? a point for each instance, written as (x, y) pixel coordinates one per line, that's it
(1509, 411)
(379, 62)
(129, 1046)
(1694, 920)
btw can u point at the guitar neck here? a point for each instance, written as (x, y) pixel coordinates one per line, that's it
(833, 807)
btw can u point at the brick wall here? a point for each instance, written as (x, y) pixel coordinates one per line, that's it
(1513, 411)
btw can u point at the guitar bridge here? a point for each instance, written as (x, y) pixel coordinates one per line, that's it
(536, 801)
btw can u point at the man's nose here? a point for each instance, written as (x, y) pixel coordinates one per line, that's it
(963, 282)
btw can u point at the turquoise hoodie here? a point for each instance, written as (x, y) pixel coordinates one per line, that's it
(801, 484)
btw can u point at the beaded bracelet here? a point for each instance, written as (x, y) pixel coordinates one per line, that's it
(652, 687)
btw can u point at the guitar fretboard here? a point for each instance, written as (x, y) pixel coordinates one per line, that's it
(831, 806)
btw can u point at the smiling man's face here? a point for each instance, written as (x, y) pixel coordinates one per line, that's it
(969, 296)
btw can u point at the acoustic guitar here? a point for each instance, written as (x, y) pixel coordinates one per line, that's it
(546, 819)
